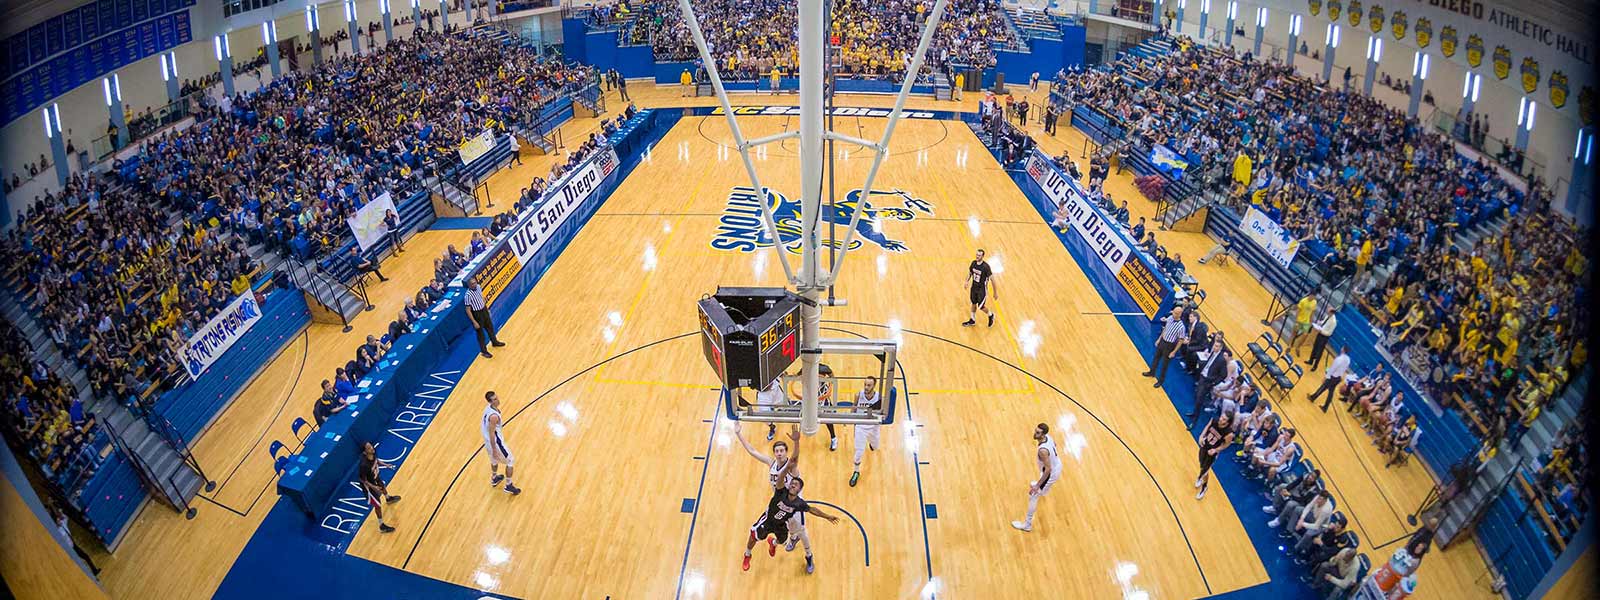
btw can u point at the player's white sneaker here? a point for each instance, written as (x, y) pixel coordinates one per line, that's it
(1023, 527)
(1200, 495)
(1197, 483)
(789, 545)
(833, 444)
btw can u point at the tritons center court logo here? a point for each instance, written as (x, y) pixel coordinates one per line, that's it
(742, 227)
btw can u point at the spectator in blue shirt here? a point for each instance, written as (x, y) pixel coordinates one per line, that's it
(363, 265)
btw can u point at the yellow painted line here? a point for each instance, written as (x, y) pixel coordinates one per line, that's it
(644, 284)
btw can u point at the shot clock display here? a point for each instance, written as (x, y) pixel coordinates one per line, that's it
(749, 335)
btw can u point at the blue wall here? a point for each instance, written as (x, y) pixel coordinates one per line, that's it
(573, 30)
(602, 49)
(669, 72)
(1072, 45)
(636, 61)
(1043, 56)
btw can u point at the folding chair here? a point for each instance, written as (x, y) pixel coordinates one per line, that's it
(297, 425)
(1258, 348)
(1286, 381)
(275, 448)
(280, 464)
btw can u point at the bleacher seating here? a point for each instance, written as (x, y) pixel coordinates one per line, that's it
(112, 497)
(1223, 223)
(416, 214)
(191, 407)
(1034, 24)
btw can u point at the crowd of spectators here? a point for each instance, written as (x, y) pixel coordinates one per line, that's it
(338, 393)
(750, 38)
(120, 286)
(42, 417)
(1558, 476)
(1369, 186)
(321, 143)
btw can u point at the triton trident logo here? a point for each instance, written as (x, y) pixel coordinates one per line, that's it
(741, 227)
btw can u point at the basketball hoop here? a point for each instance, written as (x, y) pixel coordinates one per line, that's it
(844, 370)
(814, 275)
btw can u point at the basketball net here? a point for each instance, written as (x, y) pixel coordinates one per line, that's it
(813, 277)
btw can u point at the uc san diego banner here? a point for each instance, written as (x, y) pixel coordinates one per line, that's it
(476, 146)
(220, 333)
(531, 234)
(1100, 234)
(1270, 236)
(495, 270)
(367, 223)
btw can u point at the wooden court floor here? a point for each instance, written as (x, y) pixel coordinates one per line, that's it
(611, 435)
(610, 402)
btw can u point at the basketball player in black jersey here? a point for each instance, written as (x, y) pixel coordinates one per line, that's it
(377, 490)
(1217, 436)
(980, 286)
(785, 503)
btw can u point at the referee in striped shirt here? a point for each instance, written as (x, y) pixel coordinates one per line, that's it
(482, 322)
(1173, 336)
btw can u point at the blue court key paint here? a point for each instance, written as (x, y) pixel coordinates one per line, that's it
(688, 506)
(930, 511)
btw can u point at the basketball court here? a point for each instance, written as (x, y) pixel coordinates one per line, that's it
(634, 487)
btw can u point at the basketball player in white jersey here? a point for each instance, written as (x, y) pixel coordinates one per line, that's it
(824, 398)
(866, 435)
(1049, 473)
(495, 443)
(782, 467)
(771, 399)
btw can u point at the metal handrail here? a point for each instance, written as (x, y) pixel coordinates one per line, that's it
(163, 427)
(104, 145)
(307, 280)
(147, 476)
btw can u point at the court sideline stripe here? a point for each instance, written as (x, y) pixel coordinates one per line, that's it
(705, 465)
(479, 448)
(1092, 415)
(1381, 493)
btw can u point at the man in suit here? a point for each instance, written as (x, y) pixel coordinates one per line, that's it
(1199, 340)
(1212, 372)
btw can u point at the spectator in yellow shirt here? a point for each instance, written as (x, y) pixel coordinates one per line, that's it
(241, 284)
(1304, 310)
